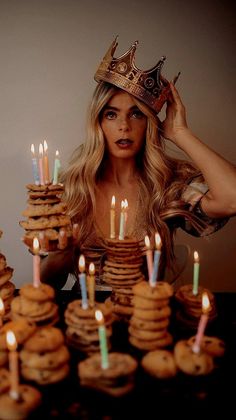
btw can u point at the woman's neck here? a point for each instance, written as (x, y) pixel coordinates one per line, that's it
(120, 172)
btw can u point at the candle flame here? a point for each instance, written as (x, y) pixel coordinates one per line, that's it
(147, 241)
(91, 269)
(81, 263)
(205, 303)
(36, 245)
(99, 316)
(2, 309)
(157, 241)
(32, 149)
(196, 256)
(11, 341)
(126, 203)
(45, 146)
(57, 153)
(113, 202)
(122, 205)
(41, 149)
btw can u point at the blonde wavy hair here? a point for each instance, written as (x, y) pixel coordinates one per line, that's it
(162, 178)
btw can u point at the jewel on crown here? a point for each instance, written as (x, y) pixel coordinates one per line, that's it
(147, 85)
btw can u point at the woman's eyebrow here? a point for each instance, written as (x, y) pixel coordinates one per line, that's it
(114, 108)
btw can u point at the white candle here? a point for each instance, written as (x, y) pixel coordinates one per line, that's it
(2, 312)
(112, 218)
(202, 323)
(36, 263)
(57, 166)
(35, 166)
(122, 221)
(126, 207)
(157, 255)
(41, 175)
(46, 163)
(196, 267)
(13, 365)
(102, 339)
(149, 258)
(82, 282)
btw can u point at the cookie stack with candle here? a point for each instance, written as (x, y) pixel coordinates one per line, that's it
(7, 288)
(122, 270)
(148, 327)
(36, 304)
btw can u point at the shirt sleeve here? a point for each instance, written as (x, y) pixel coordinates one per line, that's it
(192, 195)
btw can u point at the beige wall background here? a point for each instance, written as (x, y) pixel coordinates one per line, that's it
(50, 50)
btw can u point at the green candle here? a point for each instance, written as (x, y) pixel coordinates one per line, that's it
(102, 339)
(196, 267)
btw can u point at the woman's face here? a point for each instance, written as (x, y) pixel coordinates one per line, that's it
(124, 126)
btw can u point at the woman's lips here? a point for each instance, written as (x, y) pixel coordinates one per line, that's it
(124, 143)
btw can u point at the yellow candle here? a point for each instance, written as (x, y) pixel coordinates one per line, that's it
(41, 175)
(149, 257)
(2, 312)
(91, 284)
(102, 339)
(202, 323)
(45, 163)
(112, 218)
(13, 365)
(36, 263)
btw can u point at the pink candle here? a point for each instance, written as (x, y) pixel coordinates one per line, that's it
(149, 258)
(41, 176)
(36, 263)
(202, 323)
(13, 365)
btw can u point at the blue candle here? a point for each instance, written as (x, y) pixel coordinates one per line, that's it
(35, 166)
(82, 282)
(157, 255)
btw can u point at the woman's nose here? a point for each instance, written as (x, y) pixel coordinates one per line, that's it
(123, 123)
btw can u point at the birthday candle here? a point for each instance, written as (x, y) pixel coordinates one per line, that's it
(62, 239)
(202, 323)
(82, 282)
(91, 285)
(35, 166)
(45, 163)
(43, 241)
(149, 257)
(112, 218)
(13, 365)
(2, 312)
(122, 221)
(36, 263)
(57, 166)
(102, 339)
(41, 175)
(157, 255)
(126, 206)
(196, 267)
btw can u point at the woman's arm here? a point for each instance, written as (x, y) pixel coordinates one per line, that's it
(219, 174)
(56, 267)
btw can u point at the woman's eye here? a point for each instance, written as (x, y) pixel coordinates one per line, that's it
(110, 115)
(137, 114)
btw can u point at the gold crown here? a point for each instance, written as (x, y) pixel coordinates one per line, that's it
(147, 85)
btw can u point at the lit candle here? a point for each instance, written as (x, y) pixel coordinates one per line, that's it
(126, 206)
(122, 221)
(62, 239)
(35, 166)
(202, 323)
(157, 254)
(2, 312)
(91, 285)
(57, 166)
(149, 257)
(36, 263)
(112, 218)
(13, 365)
(102, 339)
(41, 176)
(195, 273)
(82, 282)
(45, 163)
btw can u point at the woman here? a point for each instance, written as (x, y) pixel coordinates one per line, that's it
(124, 156)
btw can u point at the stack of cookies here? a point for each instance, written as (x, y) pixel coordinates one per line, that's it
(82, 326)
(7, 288)
(190, 306)
(122, 270)
(36, 304)
(45, 357)
(29, 400)
(116, 380)
(148, 328)
(46, 217)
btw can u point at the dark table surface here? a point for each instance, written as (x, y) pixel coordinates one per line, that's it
(182, 396)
